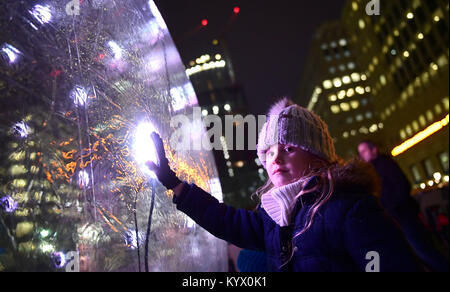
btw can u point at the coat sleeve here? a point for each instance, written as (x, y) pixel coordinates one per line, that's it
(240, 227)
(371, 235)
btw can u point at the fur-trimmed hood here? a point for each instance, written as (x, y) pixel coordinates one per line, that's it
(356, 176)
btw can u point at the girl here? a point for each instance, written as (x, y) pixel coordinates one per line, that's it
(316, 213)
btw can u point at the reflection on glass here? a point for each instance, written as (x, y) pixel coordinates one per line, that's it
(71, 185)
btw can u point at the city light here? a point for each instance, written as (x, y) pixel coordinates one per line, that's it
(21, 129)
(11, 53)
(227, 107)
(205, 67)
(410, 15)
(236, 10)
(144, 149)
(215, 110)
(420, 136)
(41, 13)
(116, 49)
(79, 95)
(204, 22)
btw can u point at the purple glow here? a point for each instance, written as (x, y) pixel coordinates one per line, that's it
(83, 178)
(12, 54)
(8, 204)
(21, 129)
(144, 149)
(41, 13)
(58, 259)
(130, 239)
(79, 95)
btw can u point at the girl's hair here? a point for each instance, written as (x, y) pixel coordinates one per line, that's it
(324, 188)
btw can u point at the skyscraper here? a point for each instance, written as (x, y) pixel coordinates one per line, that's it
(402, 54)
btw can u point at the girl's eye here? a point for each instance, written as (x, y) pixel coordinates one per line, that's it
(289, 149)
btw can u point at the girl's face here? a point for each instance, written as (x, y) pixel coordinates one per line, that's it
(287, 163)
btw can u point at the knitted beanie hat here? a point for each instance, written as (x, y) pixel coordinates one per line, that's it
(289, 123)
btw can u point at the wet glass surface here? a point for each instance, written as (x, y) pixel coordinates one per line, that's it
(82, 85)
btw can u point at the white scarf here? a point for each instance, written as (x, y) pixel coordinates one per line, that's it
(279, 202)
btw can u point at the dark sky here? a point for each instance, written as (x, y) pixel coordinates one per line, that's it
(268, 41)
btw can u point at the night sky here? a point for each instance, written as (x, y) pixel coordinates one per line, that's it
(268, 40)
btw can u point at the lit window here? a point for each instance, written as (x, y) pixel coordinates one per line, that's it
(368, 89)
(406, 54)
(416, 173)
(360, 90)
(353, 132)
(354, 104)
(346, 79)
(445, 102)
(355, 77)
(420, 36)
(422, 120)
(342, 42)
(437, 18)
(410, 15)
(345, 106)
(354, 6)
(327, 84)
(438, 109)
(383, 79)
(429, 167)
(415, 126)
(430, 116)
(443, 159)
(350, 92)
(335, 109)
(337, 82)
(351, 65)
(373, 128)
(341, 94)
(332, 97)
(369, 115)
(359, 117)
(345, 135)
(403, 134)
(409, 130)
(361, 24)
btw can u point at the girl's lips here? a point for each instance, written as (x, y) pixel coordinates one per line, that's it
(279, 171)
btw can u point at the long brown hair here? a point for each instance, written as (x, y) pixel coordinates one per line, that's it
(324, 189)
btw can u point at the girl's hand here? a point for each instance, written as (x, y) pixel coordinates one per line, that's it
(165, 175)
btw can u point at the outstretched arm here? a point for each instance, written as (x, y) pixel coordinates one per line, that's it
(241, 227)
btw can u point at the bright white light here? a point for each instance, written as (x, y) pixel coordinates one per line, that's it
(116, 49)
(22, 129)
(44, 233)
(215, 109)
(130, 238)
(446, 178)
(179, 100)
(12, 54)
(46, 247)
(423, 186)
(144, 149)
(216, 189)
(41, 13)
(437, 176)
(204, 113)
(227, 107)
(79, 95)
(157, 15)
(83, 178)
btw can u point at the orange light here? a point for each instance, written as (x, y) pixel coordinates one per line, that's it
(420, 136)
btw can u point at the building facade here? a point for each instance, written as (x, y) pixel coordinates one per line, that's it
(402, 54)
(219, 94)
